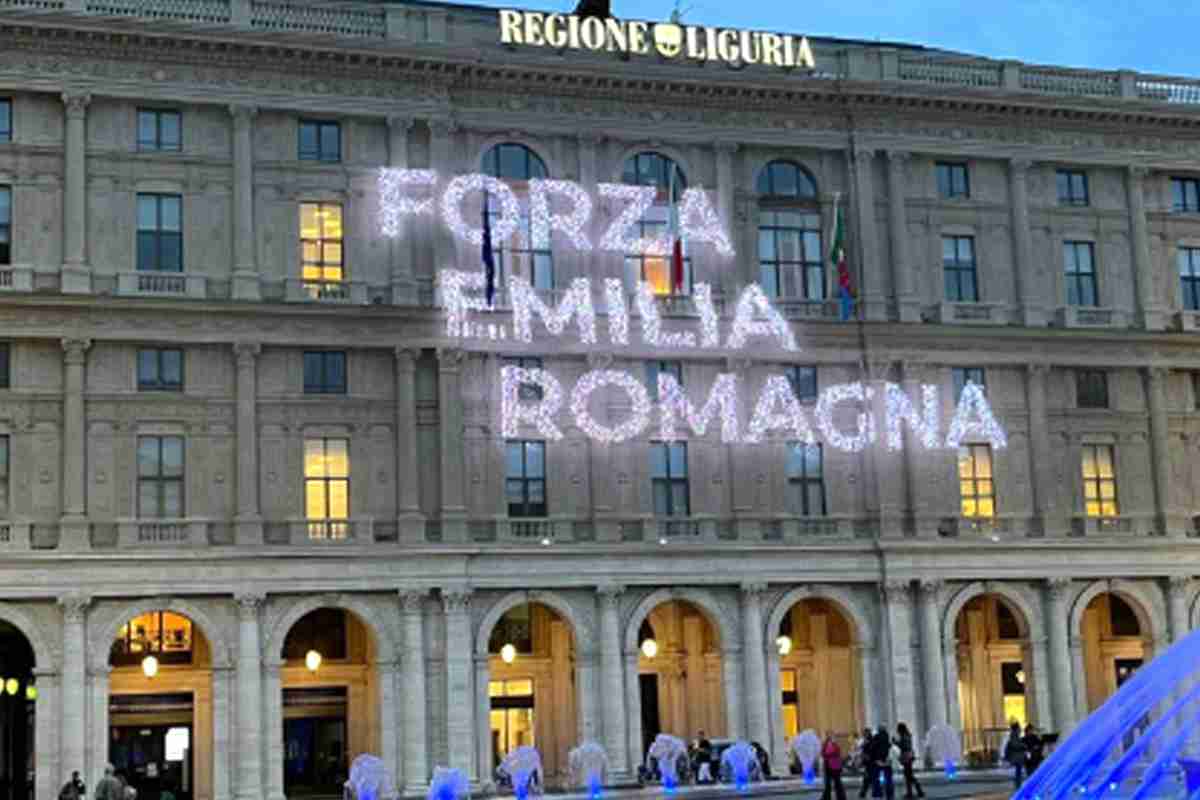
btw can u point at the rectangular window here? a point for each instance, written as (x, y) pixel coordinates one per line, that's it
(977, 488)
(958, 264)
(160, 477)
(653, 368)
(160, 369)
(321, 258)
(1080, 263)
(669, 479)
(5, 224)
(1188, 259)
(964, 375)
(804, 383)
(530, 392)
(1099, 481)
(952, 180)
(5, 120)
(320, 141)
(325, 372)
(4, 511)
(1185, 194)
(1072, 187)
(160, 233)
(525, 476)
(806, 479)
(327, 487)
(790, 258)
(159, 131)
(1091, 388)
(5, 365)
(1196, 391)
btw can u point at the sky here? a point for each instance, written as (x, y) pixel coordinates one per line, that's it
(1155, 36)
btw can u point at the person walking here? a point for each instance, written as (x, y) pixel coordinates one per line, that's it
(109, 787)
(831, 763)
(862, 754)
(1035, 749)
(884, 754)
(908, 755)
(1015, 753)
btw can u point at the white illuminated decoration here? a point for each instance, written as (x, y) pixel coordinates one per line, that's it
(457, 303)
(673, 403)
(576, 302)
(927, 427)
(973, 419)
(501, 195)
(752, 302)
(571, 225)
(652, 332)
(700, 223)
(540, 415)
(865, 424)
(790, 417)
(617, 238)
(639, 416)
(394, 201)
(710, 321)
(618, 311)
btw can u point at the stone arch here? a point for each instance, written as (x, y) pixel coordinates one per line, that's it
(1030, 620)
(44, 656)
(551, 600)
(367, 615)
(1150, 616)
(1193, 606)
(554, 169)
(617, 168)
(842, 598)
(700, 598)
(105, 631)
(757, 166)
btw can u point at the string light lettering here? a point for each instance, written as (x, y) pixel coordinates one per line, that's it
(710, 330)
(617, 238)
(572, 225)
(973, 418)
(699, 222)
(618, 311)
(510, 210)
(576, 302)
(652, 332)
(458, 304)
(395, 204)
(673, 403)
(777, 393)
(745, 325)
(829, 398)
(927, 427)
(541, 414)
(639, 416)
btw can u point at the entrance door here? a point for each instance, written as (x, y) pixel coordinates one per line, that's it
(151, 742)
(651, 724)
(512, 710)
(314, 740)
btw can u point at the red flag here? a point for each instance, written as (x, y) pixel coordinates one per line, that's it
(676, 241)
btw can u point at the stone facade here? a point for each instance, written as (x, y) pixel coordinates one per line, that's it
(429, 558)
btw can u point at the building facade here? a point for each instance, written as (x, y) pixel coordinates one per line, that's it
(262, 511)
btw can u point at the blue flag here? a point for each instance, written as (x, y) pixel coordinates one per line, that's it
(489, 259)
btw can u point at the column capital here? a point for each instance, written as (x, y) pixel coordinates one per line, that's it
(1058, 587)
(1137, 171)
(401, 122)
(76, 350)
(248, 604)
(74, 606)
(754, 590)
(242, 114)
(406, 357)
(450, 358)
(930, 587)
(725, 147)
(610, 592)
(444, 126)
(1156, 374)
(412, 601)
(897, 158)
(895, 589)
(862, 154)
(1037, 370)
(246, 352)
(456, 600)
(1179, 583)
(879, 368)
(76, 103)
(1019, 166)
(589, 139)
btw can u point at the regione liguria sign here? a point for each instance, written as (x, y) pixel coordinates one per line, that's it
(669, 39)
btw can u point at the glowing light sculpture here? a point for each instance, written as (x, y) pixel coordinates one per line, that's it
(807, 747)
(753, 301)
(394, 201)
(652, 332)
(514, 412)
(589, 766)
(943, 744)
(710, 331)
(502, 228)
(639, 416)
(973, 418)
(572, 224)
(452, 286)
(667, 751)
(739, 762)
(638, 199)
(618, 311)
(674, 404)
(777, 394)
(449, 784)
(369, 779)
(698, 221)
(829, 399)
(927, 427)
(522, 764)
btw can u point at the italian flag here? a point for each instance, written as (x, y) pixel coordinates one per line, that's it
(676, 240)
(837, 257)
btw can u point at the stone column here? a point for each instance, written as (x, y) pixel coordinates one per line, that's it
(245, 260)
(387, 673)
(1040, 462)
(1168, 518)
(732, 668)
(76, 274)
(222, 748)
(249, 522)
(272, 702)
(1152, 316)
(866, 269)
(460, 682)
(414, 693)
(755, 683)
(408, 471)
(931, 654)
(74, 680)
(483, 732)
(402, 249)
(898, 610)
(73, 526)
(868, 667)
(726, 188)
(903, 280)
(249, 695)
(441, 159)
(586, 669)
(1062, 691)
(633, 710)
(454, 511)
(1037, 673)
(612, 682)
(1027, 298)
(1177, 592)
(50, 773)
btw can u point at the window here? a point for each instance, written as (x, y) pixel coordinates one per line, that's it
(952, 180)
(964, 375)
(327, 487)
(320, 141)
(1091, 388)
(4, 510)
(653, 169)
(977, 489)
(958, 263)
(790, 259)
(1188, 259)
(1185, 193)
(165, 634)
(321, 258)
(527, 391)
(159, 130)
(5, 120)
(160, 233)
(1072, 187)
(515, 628)
(510, 715)
(323, 630)
(806, 480)
(804, 383)
(160, 369)
(653, 368)
(160, 477)
(526, 479)
(1196, 391)
(669, 479)
(5, 365)
(516, 165)
(1080, 274)
(325, 372)
(1099, 481)
(5, 225)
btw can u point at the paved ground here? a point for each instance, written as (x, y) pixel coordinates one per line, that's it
(990, 785)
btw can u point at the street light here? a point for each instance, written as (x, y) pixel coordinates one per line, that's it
(649, 648)
(312, 660)
(149, 666)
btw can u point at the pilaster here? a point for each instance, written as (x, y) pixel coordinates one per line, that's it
(612, 682)
(402, 248)
(897, 597)
(460, 682)
(1152, 315)
(453, 510)
(411, 521)
(908, 307)
(74, 681)
(1062, 691)
(754, 653)
(76, 274)
(1041, 476)
(74, 529)
(248, 523)
(931, 653)
(1169, 520)
(245, 260)
(249, 695)
(414, 691)
(1178, 588)
(866, 267)
(1032, 311)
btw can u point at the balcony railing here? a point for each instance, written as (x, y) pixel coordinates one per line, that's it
(349, 292)
(16, 279)
(950, 313)
(162, 284)
(1090, 317)
(180, 533)
(1111, 526)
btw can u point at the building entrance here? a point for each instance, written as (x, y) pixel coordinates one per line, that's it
(152, 758)
(314, 736)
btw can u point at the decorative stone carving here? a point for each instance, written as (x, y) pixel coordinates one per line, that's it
(457, 600)
(74, 607)
(248, 604)
(76, 350)
(76, 103)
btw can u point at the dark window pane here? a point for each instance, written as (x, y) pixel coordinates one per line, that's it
(335, 372)
(172, 367)
(170, 131)
(147, 254)
(170, 252)
(312, 372)
(147, 367)
(331, 142)
(5, 120)
(147, 129)
(308, 140)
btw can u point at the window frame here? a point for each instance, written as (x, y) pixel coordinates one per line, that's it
(327, 527)
(5, 365)
(6, 243)
(793, 374)
(160, 385)
(673, 367)
(322, 127)
(959, 267)
(6, 120)
(156, 145)
(532, 262)
(1185, 195)
(149, 254)
(526, 392)
(1081, 378)
(5, 475)
(649, 228)
(1076, 179)
(1189, 282)
(1098, 481)
(802, 481)
(526, 509)
(160, 479)
(323, 287)
(947, 190)
(670, 481)
(961, 376)
(1073, 277)
(806, 272)
(971, 487)
(324, 386)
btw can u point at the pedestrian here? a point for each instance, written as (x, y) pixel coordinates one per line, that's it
(70, 789)
(109, 787)
(884, 755)
(1035, 749)
(908, 755)
(863, 754)
(1014, 753)
(764, 761)
(831, 764)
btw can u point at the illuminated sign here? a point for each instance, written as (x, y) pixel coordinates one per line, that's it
(668, 39)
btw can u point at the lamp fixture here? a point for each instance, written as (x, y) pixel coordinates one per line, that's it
(784, 643)
(30, 692)
(508, 653)
(649, 648)
(12, 685)
(149, 666)
(312, 660)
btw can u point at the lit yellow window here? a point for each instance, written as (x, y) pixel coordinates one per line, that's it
(1099, 481)
(321, 255)
(326, 483)
(977, 488)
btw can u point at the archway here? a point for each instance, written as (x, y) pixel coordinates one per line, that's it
(1114, 631)
(18, 696)
(331, 700)
(160, 706)
(994, 670)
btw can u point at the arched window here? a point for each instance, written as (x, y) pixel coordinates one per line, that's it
(516, 165)
(790, 257)
(653, 169)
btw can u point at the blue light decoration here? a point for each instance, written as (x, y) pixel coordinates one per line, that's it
(448, 784)
(740, 762)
